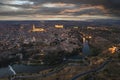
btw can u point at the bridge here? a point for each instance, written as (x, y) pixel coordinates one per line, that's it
(12, 70)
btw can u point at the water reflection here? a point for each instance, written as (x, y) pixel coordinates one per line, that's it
(19, 68)
(86, 49)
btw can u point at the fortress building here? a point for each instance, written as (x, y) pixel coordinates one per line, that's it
(59, 26)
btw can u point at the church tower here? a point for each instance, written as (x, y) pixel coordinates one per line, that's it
(33, 27)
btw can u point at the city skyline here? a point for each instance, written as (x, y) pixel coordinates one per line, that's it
(59, 9)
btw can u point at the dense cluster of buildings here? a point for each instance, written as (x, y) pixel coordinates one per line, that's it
(42, 39)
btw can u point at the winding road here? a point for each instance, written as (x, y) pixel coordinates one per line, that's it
(93, 70)
(53, 72)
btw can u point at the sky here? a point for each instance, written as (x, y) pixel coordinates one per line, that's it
(59, 9)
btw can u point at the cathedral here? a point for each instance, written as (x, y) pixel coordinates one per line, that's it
(34, 29)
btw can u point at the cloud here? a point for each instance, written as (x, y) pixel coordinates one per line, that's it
(58, 5)
(84, 10)
(58, 8)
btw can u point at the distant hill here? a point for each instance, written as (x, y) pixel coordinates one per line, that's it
(98, 22)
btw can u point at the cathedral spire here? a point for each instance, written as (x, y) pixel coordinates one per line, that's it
(33, 26)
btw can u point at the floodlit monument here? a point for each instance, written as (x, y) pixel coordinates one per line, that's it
(34, 29)
(59, 26)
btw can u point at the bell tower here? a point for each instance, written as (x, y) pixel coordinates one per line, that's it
(33, 27)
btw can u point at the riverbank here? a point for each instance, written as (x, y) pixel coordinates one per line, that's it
(20, 68)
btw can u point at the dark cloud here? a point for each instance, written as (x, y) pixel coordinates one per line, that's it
(49, 11)
(113, 6)
(90, 12)
(59, 7)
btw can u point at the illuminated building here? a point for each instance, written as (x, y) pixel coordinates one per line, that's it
(92, 28)
(89, 37)
(34, 29)
(33, 39)
(59, 26)
(76, 27)
(21, 27)
(113, 49)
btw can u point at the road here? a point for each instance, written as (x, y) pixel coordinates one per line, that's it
(93, 70)
(56, 71)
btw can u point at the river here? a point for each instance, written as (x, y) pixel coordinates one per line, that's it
(19, 68)
(86, 49)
